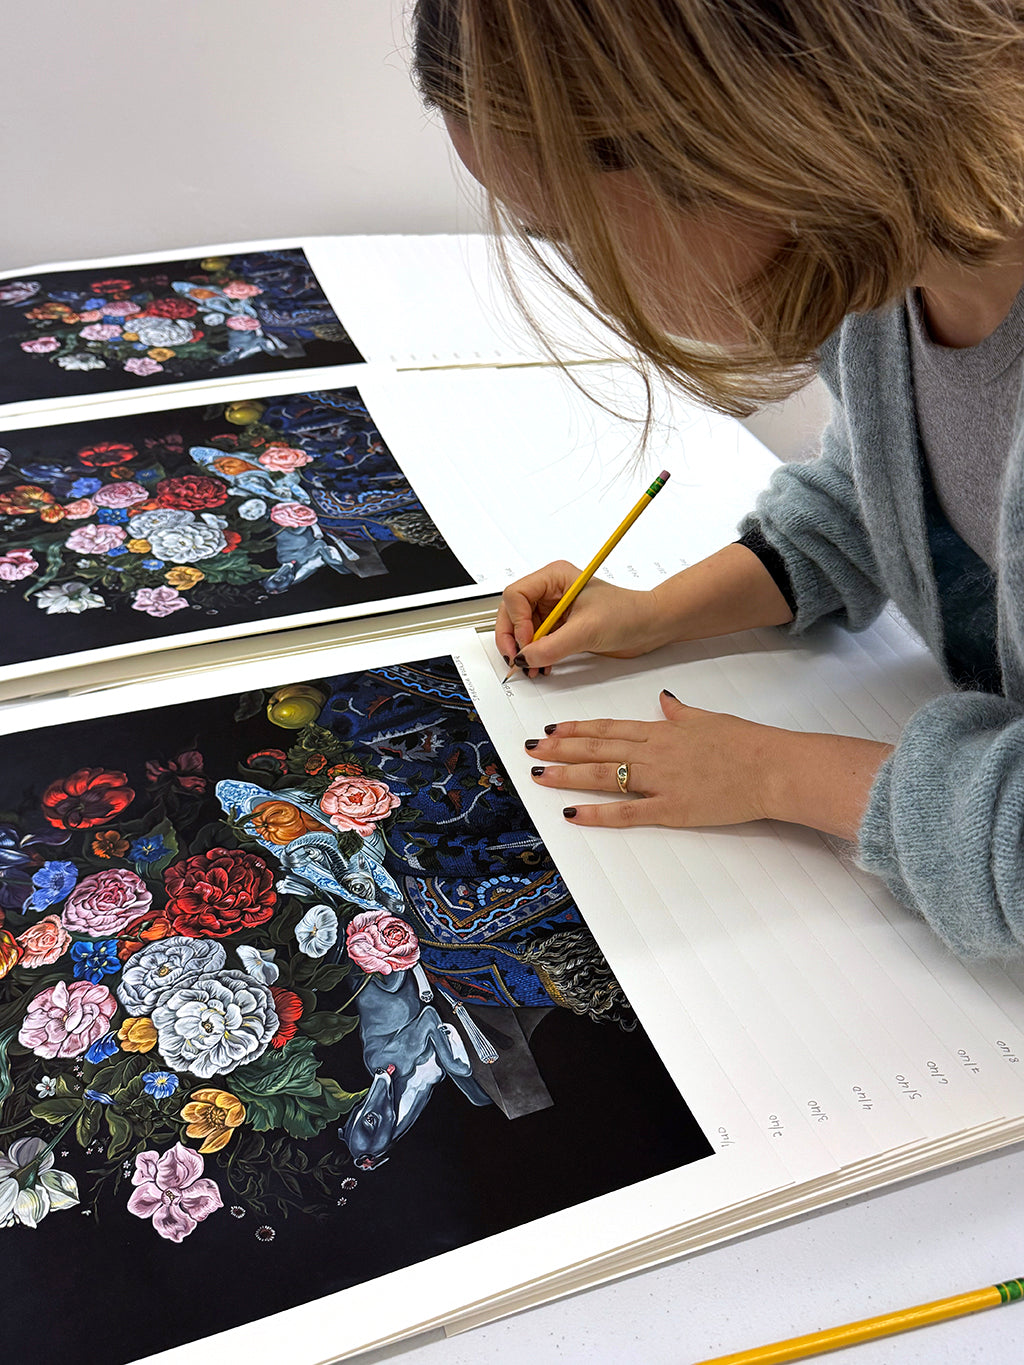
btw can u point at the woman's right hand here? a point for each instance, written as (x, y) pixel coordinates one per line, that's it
(604, 619)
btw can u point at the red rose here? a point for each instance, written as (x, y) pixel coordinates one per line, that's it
(288, 1008)
(104, 287)
(90, 796)
(170, 308)
(191, 492)
(106, 453)
(215, 894)
(233, 540)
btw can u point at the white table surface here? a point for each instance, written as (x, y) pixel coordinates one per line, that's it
(943, 1234)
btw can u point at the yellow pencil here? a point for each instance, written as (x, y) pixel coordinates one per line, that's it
(573, 591)
(868, 1329)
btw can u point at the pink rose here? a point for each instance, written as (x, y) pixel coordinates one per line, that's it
(238, 289)
(101, 905)
(95, 540)
(171, 1190)
(158, 601)
(120, 494)
(293, 514)
(358, 803)
(240, 323)
(43, 942)
(40, 345)
(284, 458)
(81, 507)
(119, 310)
(17, 564)
(67, 1018)
(100, 331)
(381, 942)
(141, 364)
(92, 315)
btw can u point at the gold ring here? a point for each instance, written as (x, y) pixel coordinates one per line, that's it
(622, 778)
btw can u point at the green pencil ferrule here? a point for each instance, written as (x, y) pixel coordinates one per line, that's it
(655, 487)
(1010, 1290)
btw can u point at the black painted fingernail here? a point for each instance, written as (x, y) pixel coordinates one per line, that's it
(550, 729)
(526, 670)
(666, 693)
(532, 743)
(569, 812)
(519, 661)
(545, 671)
(536, 772)
(507, 660)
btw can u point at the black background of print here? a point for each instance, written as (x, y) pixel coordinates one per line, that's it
(25, 377)
(28, 632)
(88, 1290)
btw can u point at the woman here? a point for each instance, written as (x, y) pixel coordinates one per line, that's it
(749, 189)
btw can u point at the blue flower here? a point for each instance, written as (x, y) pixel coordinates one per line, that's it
(160, 1084)
(149, 849)
(52, 882)
(153, 563)
(117, 550)
(100, 1096)
(147, 475)
(112, 516)
(84, 488)
(96, 959)
(102, 1048)
(41, 472)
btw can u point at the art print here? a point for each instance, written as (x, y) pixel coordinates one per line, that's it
(86, 331)
(136, 528)
(293, 996)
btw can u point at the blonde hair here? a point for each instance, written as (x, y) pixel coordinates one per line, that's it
(870, 135)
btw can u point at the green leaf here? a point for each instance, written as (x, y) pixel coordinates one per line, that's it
(348, 1099)
(249, 704)
(120, 1133)
(289, 1070)
(6, 1084)
(56, 1109)
(87, 1125)
(328, 1028)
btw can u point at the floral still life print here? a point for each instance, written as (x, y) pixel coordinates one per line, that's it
(292, 996)
(87, 331)
(133, 528)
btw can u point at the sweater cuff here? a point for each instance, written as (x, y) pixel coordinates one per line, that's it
(755, 541)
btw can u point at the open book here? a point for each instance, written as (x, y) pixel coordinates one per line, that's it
(346, 1013)
(319, 1026)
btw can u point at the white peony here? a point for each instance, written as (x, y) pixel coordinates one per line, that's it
(187, 542)
(60, 599)
(213, 1023)
(144, 523)
(252, 509)
(159, 967)
(162, 331)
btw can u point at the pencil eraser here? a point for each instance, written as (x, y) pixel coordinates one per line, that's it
(664, 475)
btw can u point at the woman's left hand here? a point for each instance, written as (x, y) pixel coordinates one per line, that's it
(698, 768)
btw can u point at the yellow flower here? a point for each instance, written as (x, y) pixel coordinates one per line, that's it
(52, 514)
(129, 336)
(139, 547)
(214, 264)
(160, 353)
(137, 1035)
(213, 1115)
(184, 576)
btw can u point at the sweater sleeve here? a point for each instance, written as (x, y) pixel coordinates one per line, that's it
(943, 824)
(811, 518)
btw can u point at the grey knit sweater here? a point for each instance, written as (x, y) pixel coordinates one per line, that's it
(944, 827)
